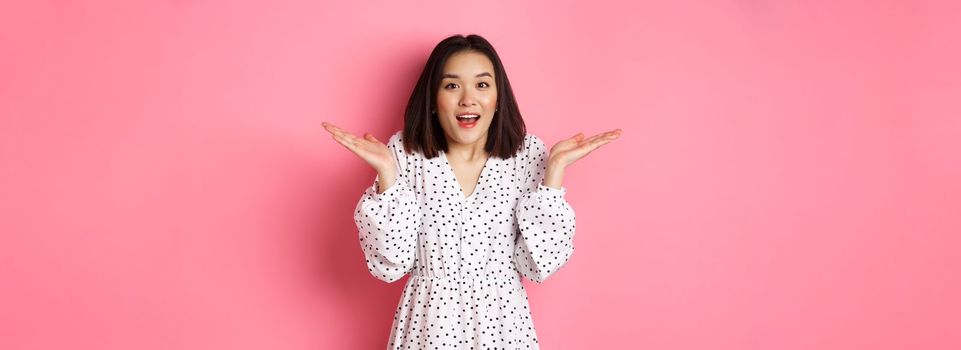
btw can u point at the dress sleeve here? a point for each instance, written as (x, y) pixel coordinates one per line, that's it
(545, 220)
(388, 222)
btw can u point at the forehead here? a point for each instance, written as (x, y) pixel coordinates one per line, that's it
(468, 64)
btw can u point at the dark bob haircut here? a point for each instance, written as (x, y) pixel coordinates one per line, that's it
(422, 130)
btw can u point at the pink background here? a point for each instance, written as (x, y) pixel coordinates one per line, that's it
(789, 176)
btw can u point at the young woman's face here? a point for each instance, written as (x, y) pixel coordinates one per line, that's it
(467, 87)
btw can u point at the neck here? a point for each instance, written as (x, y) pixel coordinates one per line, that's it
(468, 152)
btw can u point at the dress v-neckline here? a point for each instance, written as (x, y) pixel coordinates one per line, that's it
(453, 175)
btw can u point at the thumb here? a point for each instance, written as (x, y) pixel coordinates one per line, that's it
(371, 137)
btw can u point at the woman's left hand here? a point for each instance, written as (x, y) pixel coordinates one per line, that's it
(568, 151)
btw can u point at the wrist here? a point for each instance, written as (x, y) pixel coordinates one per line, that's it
(385, 180)
(554, 175)
(555, 166)
(387, 173)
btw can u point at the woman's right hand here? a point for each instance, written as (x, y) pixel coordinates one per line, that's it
(368, 148)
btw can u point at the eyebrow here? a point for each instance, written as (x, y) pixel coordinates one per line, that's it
(455, 76)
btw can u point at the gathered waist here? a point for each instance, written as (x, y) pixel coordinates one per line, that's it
(508, 277)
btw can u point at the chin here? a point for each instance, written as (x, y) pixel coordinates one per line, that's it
(469, 136)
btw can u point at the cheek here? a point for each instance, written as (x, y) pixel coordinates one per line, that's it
(445, 102)
(486, 100)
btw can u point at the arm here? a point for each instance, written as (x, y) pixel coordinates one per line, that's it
(388, 219)
(545, 220)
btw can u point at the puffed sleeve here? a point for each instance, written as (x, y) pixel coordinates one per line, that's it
(388, 222)
(545, 220)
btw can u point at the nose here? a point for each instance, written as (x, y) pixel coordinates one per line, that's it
(467, 99)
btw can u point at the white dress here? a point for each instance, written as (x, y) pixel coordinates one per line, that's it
(465, 255)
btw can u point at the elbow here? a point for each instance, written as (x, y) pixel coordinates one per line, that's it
(537, 269)
(541, 274)
(388, 271)
(387, 277)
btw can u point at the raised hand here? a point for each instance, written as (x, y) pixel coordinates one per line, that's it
(567, 151)
(368, 148)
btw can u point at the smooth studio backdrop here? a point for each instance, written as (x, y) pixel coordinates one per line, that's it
(789, 174)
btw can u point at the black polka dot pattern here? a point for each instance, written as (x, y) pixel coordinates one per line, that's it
(465, 255)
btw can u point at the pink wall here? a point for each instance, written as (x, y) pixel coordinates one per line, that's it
(789, 176)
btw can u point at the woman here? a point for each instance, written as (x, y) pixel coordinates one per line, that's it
(465, 201)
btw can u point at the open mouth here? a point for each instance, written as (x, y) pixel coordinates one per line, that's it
(468, 120)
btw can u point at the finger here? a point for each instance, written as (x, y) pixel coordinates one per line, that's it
(371, 138)
(605, 139)
(591, 139)
(602, 141)
(352, 138)
(340, 132)
(353, 143)
(346, 143)
(328, 126)
(582, 152)
(594, 146)
(604, 136)
(613, 134)
(333, 129)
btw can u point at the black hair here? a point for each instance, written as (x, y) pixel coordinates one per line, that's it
(422, 131)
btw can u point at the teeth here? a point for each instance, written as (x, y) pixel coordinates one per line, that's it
(468, 116)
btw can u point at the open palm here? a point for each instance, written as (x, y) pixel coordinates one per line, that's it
(368, 148)
(566, 152)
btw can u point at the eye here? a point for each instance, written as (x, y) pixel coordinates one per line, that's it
(485, 84)
(448, 85)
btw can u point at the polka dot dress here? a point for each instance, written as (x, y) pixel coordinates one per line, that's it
(465, 255)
